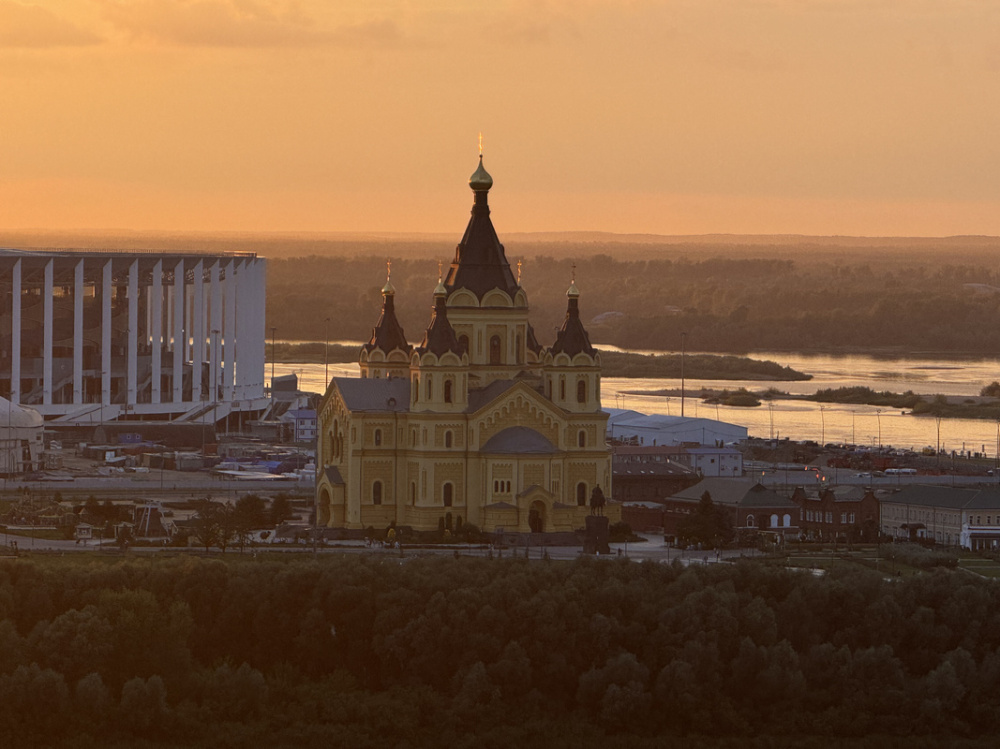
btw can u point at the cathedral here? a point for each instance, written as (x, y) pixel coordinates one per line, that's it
(478, 423)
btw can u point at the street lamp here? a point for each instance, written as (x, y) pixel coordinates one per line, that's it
(274, 330)
(822, 417)
(878, 415)
(683, 352)
(326, 356)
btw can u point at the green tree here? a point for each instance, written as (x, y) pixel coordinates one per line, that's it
(249, 514)
(281, 510)
(709, 525)
(207, 523)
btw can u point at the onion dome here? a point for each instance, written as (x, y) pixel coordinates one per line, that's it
(572, 338)
(480, 264)
(440, 337)
(387, 335)
(480, 181)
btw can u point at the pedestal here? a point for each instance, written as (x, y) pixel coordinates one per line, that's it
(596, 539)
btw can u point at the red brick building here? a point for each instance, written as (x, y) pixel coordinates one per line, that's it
(845, 513)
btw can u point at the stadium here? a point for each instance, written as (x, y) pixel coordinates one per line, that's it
(96, 336)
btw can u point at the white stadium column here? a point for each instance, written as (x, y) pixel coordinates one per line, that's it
(229, 335)
(215, 332)
(180, 332)
(244, 310)
(198, 302)
(47, 335)
(106, 334)
(133, 331)
(78, 333)
(15, 334)
(154, 304)
(262, 339)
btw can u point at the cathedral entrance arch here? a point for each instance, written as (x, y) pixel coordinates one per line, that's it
(324, 507)
(536, 516)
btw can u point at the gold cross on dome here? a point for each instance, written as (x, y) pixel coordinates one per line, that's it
(439, 271)
(388, 269)
(480, 144)
(573, 277)
(519, 271)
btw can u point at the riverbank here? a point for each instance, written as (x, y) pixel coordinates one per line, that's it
(909, 403)
(613, 363)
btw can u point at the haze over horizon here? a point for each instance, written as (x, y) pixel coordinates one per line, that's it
(777, 117)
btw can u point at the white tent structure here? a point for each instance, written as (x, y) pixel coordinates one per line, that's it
(659, 429)
(20, 438)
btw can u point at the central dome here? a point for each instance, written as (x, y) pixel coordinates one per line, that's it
(480, 181)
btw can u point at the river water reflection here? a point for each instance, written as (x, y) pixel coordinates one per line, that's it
(801, 420)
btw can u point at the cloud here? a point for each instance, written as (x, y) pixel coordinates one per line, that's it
(237, 23)
(31, 26)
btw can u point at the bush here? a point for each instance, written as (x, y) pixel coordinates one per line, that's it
(621, 532)
(923, 558)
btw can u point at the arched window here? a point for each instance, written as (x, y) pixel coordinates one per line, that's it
(447, 391)
(581, 391)
(430, 387)
(750, 521)
(581, 438)
(519, 354)
(416, 388)
(378, 437)
(562, 387)
(507, 487)
(377, 493)
(446, 494)
(786, 520)
(496, 486)
(495, 350)
(581, 494)
(447, 439)
(774, 521)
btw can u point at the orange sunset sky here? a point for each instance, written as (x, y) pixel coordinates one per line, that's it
(871, 117)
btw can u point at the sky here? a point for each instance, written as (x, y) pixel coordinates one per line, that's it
(853, 117)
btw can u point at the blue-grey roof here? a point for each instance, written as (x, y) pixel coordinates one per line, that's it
(519, 440)
(375, 394)
(332, 474)
(481, 396)
(927, 495)
(735, 493)
(953, 498)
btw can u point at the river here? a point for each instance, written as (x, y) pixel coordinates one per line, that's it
(801, 420)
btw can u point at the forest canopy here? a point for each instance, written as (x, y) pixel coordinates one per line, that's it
(366, 652)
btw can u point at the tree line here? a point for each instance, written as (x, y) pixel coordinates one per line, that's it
(794, 300)
(352, 651)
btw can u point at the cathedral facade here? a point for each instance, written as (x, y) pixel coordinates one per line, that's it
(478, 423)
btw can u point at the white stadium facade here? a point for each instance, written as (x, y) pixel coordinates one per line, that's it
(91, 336)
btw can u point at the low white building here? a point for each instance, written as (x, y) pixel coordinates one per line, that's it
(713, 462)
(951, 516)
(659, 429)
(20, 439)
